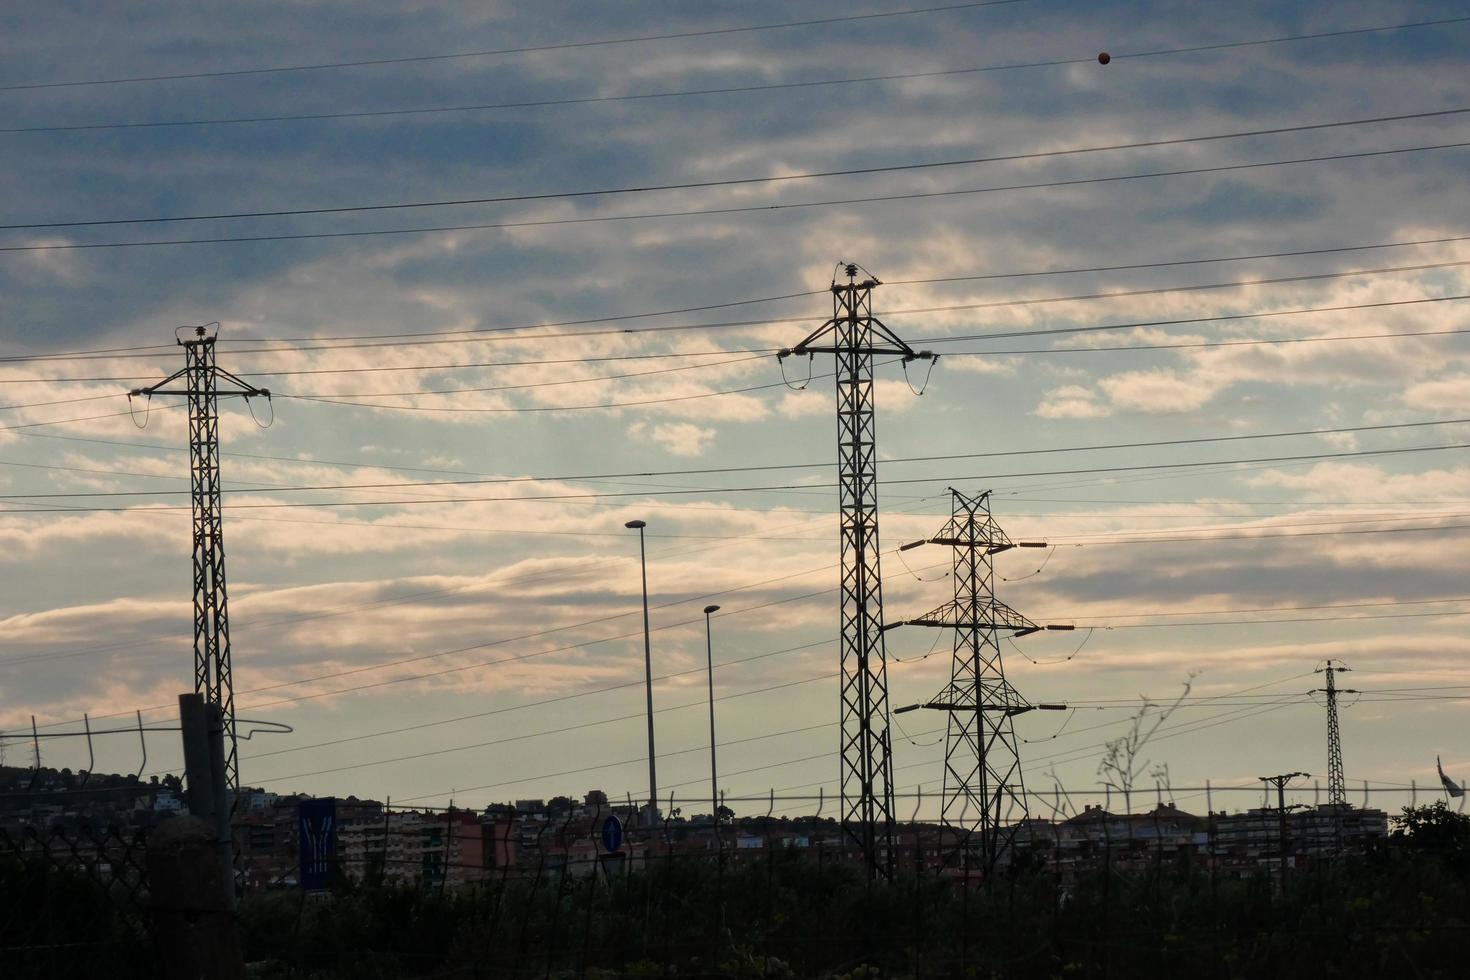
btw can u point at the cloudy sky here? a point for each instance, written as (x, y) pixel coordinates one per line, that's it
(554, 363)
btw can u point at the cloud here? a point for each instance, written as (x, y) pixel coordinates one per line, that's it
(1442, 395)
(1071, 402)
(1158, 391)
(979, 365)
(678, 438)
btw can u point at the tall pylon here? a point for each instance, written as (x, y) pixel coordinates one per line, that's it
(853, 335)
(1336, 782)
(984, 793)
(213, 676)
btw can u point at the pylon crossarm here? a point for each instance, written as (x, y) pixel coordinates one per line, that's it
(809, 346)
(158, 389)
(246, 390)
(899, 347)
(1000, 616)
(990, 547)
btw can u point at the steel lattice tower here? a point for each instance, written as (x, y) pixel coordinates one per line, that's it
(984, 793)
(212, 672)
(1336, 782)
(853, 335)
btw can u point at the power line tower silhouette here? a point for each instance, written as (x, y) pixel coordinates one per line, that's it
(853, 335)
(200, 376)
(1336, 782)
(984, 792)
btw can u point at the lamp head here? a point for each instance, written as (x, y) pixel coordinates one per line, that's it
(711, 609)
(636, 524)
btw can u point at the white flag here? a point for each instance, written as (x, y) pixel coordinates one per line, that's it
(1449, 784)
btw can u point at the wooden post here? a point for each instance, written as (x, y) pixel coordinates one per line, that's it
(193, 903)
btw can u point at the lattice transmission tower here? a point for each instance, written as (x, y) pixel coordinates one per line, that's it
(200, 377)
(853, 336)
(984, 793)
(1336, 782)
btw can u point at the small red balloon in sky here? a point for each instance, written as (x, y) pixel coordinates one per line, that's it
(1104, 58)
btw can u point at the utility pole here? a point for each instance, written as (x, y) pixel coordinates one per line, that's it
(1280, 783)
(984, 793)
(853, 335)
(200, 378)
(1336, 782)
(647, 674)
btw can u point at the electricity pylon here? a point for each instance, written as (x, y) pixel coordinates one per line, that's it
(853, 335)
(1336, 782)
(212, 672)
(984, 793)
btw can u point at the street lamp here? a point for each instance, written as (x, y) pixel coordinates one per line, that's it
(647, 673)
(714, 783)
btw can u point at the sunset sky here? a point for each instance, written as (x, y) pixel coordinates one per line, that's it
(580, 360)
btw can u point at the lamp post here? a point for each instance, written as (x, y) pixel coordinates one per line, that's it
(714, 782)
(647, 673)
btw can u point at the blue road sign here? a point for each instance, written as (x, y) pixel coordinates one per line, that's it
(318, 836)
(612, 834)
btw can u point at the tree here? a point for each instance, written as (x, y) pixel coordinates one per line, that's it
(1434, 828)
(1122, 761)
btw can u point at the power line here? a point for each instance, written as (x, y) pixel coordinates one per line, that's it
(459, 336)
(1295, 253)
(743, 209)
(753, 489)
(346, 398)
(542, 702)
(519, 579)
(1183, 345)
(1157, 614)
(422, 676)
(628, 762)
(85, 418)
(61, 401)
(500, 642)
(533, 409)
(1304, 619)
(1144, 535)
(1182, 321)
(1183, 728)
(470, 332)
(767, 467)
(1297, 534)
(558, 730)
(498, 581)
(649, 96)
(727, 181)
(1210, 344)
(564, 46)
(1014, 302)
(1224, 718)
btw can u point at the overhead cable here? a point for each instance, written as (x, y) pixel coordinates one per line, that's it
(741, 209)
(569, 45)
(725, 181)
